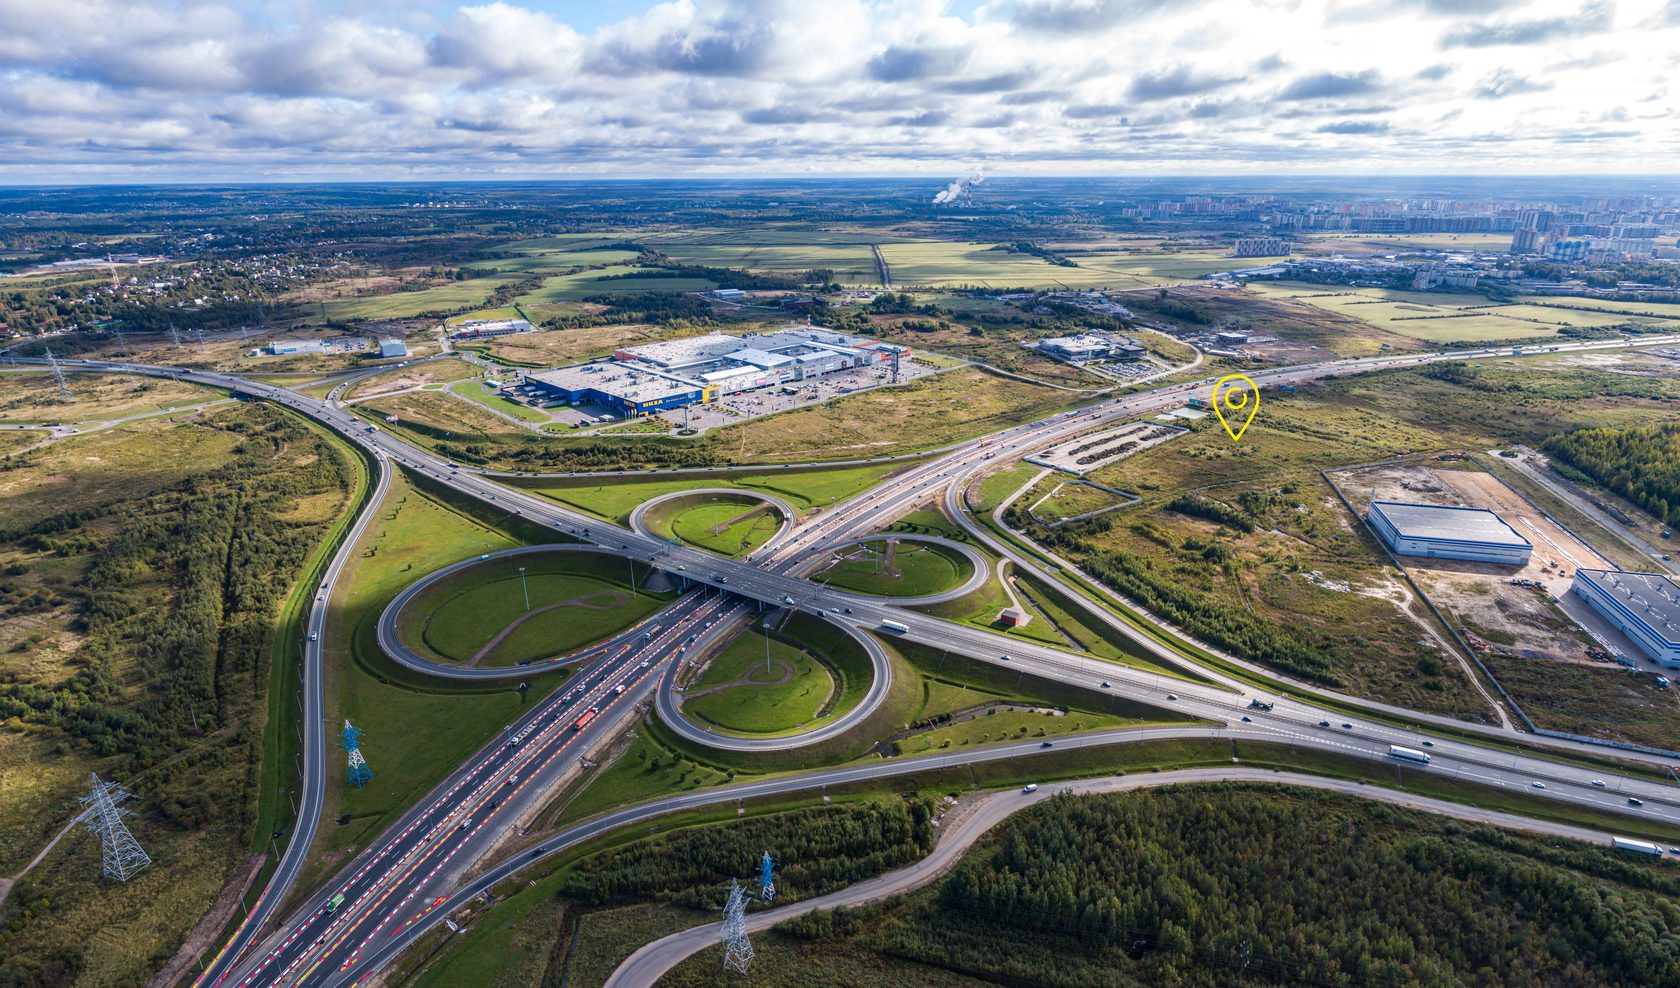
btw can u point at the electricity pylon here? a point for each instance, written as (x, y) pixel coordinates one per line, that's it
(766, 878)
(737, 949)
(350, 739)
(121, 855)
(64, 394)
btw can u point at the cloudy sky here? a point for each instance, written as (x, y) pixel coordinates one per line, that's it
(142, 90)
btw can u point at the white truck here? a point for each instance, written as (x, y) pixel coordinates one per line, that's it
(896, 627)
(1636, 846)
(1408, 754)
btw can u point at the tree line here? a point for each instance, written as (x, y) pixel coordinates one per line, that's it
(1640, 464)
(1208, 884)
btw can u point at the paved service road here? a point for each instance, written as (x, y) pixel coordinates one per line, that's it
(646, 966)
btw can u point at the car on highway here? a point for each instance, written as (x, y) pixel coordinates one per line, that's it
(1004, 658)
(1048, 744)
(1105, 685)
(1172, 696)
(1247, 719)
(1538, 785)
(1347, 726)
(1429, 744)
(1030, 787)
(1598, 783)
(1323, 723)
(314, 637)
(1633, 801)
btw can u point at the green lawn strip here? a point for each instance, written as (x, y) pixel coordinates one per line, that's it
(1091, 596)
(417, 729)
(475, 391)
(755, 706)
(614, 499)
(998, 486)
(923, 568)
(717, 525)
(997, 726)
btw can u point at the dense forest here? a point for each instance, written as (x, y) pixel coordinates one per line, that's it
(1642, 465)
(1224, 885)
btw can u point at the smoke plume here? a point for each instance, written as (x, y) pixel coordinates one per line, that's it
(960, 191)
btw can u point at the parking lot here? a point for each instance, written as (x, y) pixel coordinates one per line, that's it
(748, 405)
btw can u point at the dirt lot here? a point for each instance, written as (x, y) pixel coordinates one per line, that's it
(1479, 597)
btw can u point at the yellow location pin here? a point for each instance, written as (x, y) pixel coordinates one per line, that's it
(1239, 399)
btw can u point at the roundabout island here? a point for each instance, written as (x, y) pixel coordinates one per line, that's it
(728, 521)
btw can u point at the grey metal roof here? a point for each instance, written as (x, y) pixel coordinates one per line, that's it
(1440, 522)
(1651, 597)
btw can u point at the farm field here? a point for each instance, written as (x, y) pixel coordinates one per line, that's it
(553, 261)
(1443, 317)
(752, 699)
(852, 264)
(444, 299)
(608, 281)
(918, 569)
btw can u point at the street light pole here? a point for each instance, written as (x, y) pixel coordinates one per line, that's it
(526, 590)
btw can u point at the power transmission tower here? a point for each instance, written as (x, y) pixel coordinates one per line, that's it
(175, 336)
(64, 394)
(350, 739)
(120, 853)
(766, 878)
(737, 949)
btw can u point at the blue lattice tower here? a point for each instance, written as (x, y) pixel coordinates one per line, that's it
(766, 878)
(350, 739)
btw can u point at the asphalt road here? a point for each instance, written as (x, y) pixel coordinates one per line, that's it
(646, 966)
(776, 581)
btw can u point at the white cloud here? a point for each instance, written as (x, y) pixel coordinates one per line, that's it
(207, 88)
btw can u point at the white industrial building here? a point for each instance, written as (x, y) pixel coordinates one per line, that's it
(1088, 348)
(282, 347)
(1643, 606)
(1443, 532)
(392, 348)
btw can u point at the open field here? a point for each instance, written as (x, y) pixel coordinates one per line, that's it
(440, 300)
(565, 346)
(610, 281)
(915, 569)
(112, 543)
(32, 396)
(753, 698)
(1439, 317)
(545, 261)
(401, 379)
(1305, 332)
(480, 615)
(852, 264)
(929, 412)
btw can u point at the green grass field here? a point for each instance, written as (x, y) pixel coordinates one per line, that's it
(729, 525)
(922, 568)
(576, 599)
(450, 297)
(605, 281)
(416, 731)
(478, 392)
(764, 703)
(804, 489)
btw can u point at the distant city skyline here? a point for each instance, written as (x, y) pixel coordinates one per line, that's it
(147, 91)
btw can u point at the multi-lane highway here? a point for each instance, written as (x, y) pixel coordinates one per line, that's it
(388, 887)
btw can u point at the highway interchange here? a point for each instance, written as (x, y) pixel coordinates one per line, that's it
(409, 879)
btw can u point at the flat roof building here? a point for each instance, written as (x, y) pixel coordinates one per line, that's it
(392, 348)
(1643, 606)
(478, 329)
(1087, 347)
(1444, 532)
(281, 347)
(627, 390)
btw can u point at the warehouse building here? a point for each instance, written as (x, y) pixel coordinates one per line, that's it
(282, 347)
(482, 329)
(1442, 532)
(1643, 606)
(392, 348)
(624, 390)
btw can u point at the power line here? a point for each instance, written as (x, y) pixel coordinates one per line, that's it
(120, 855)
(737, 949)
